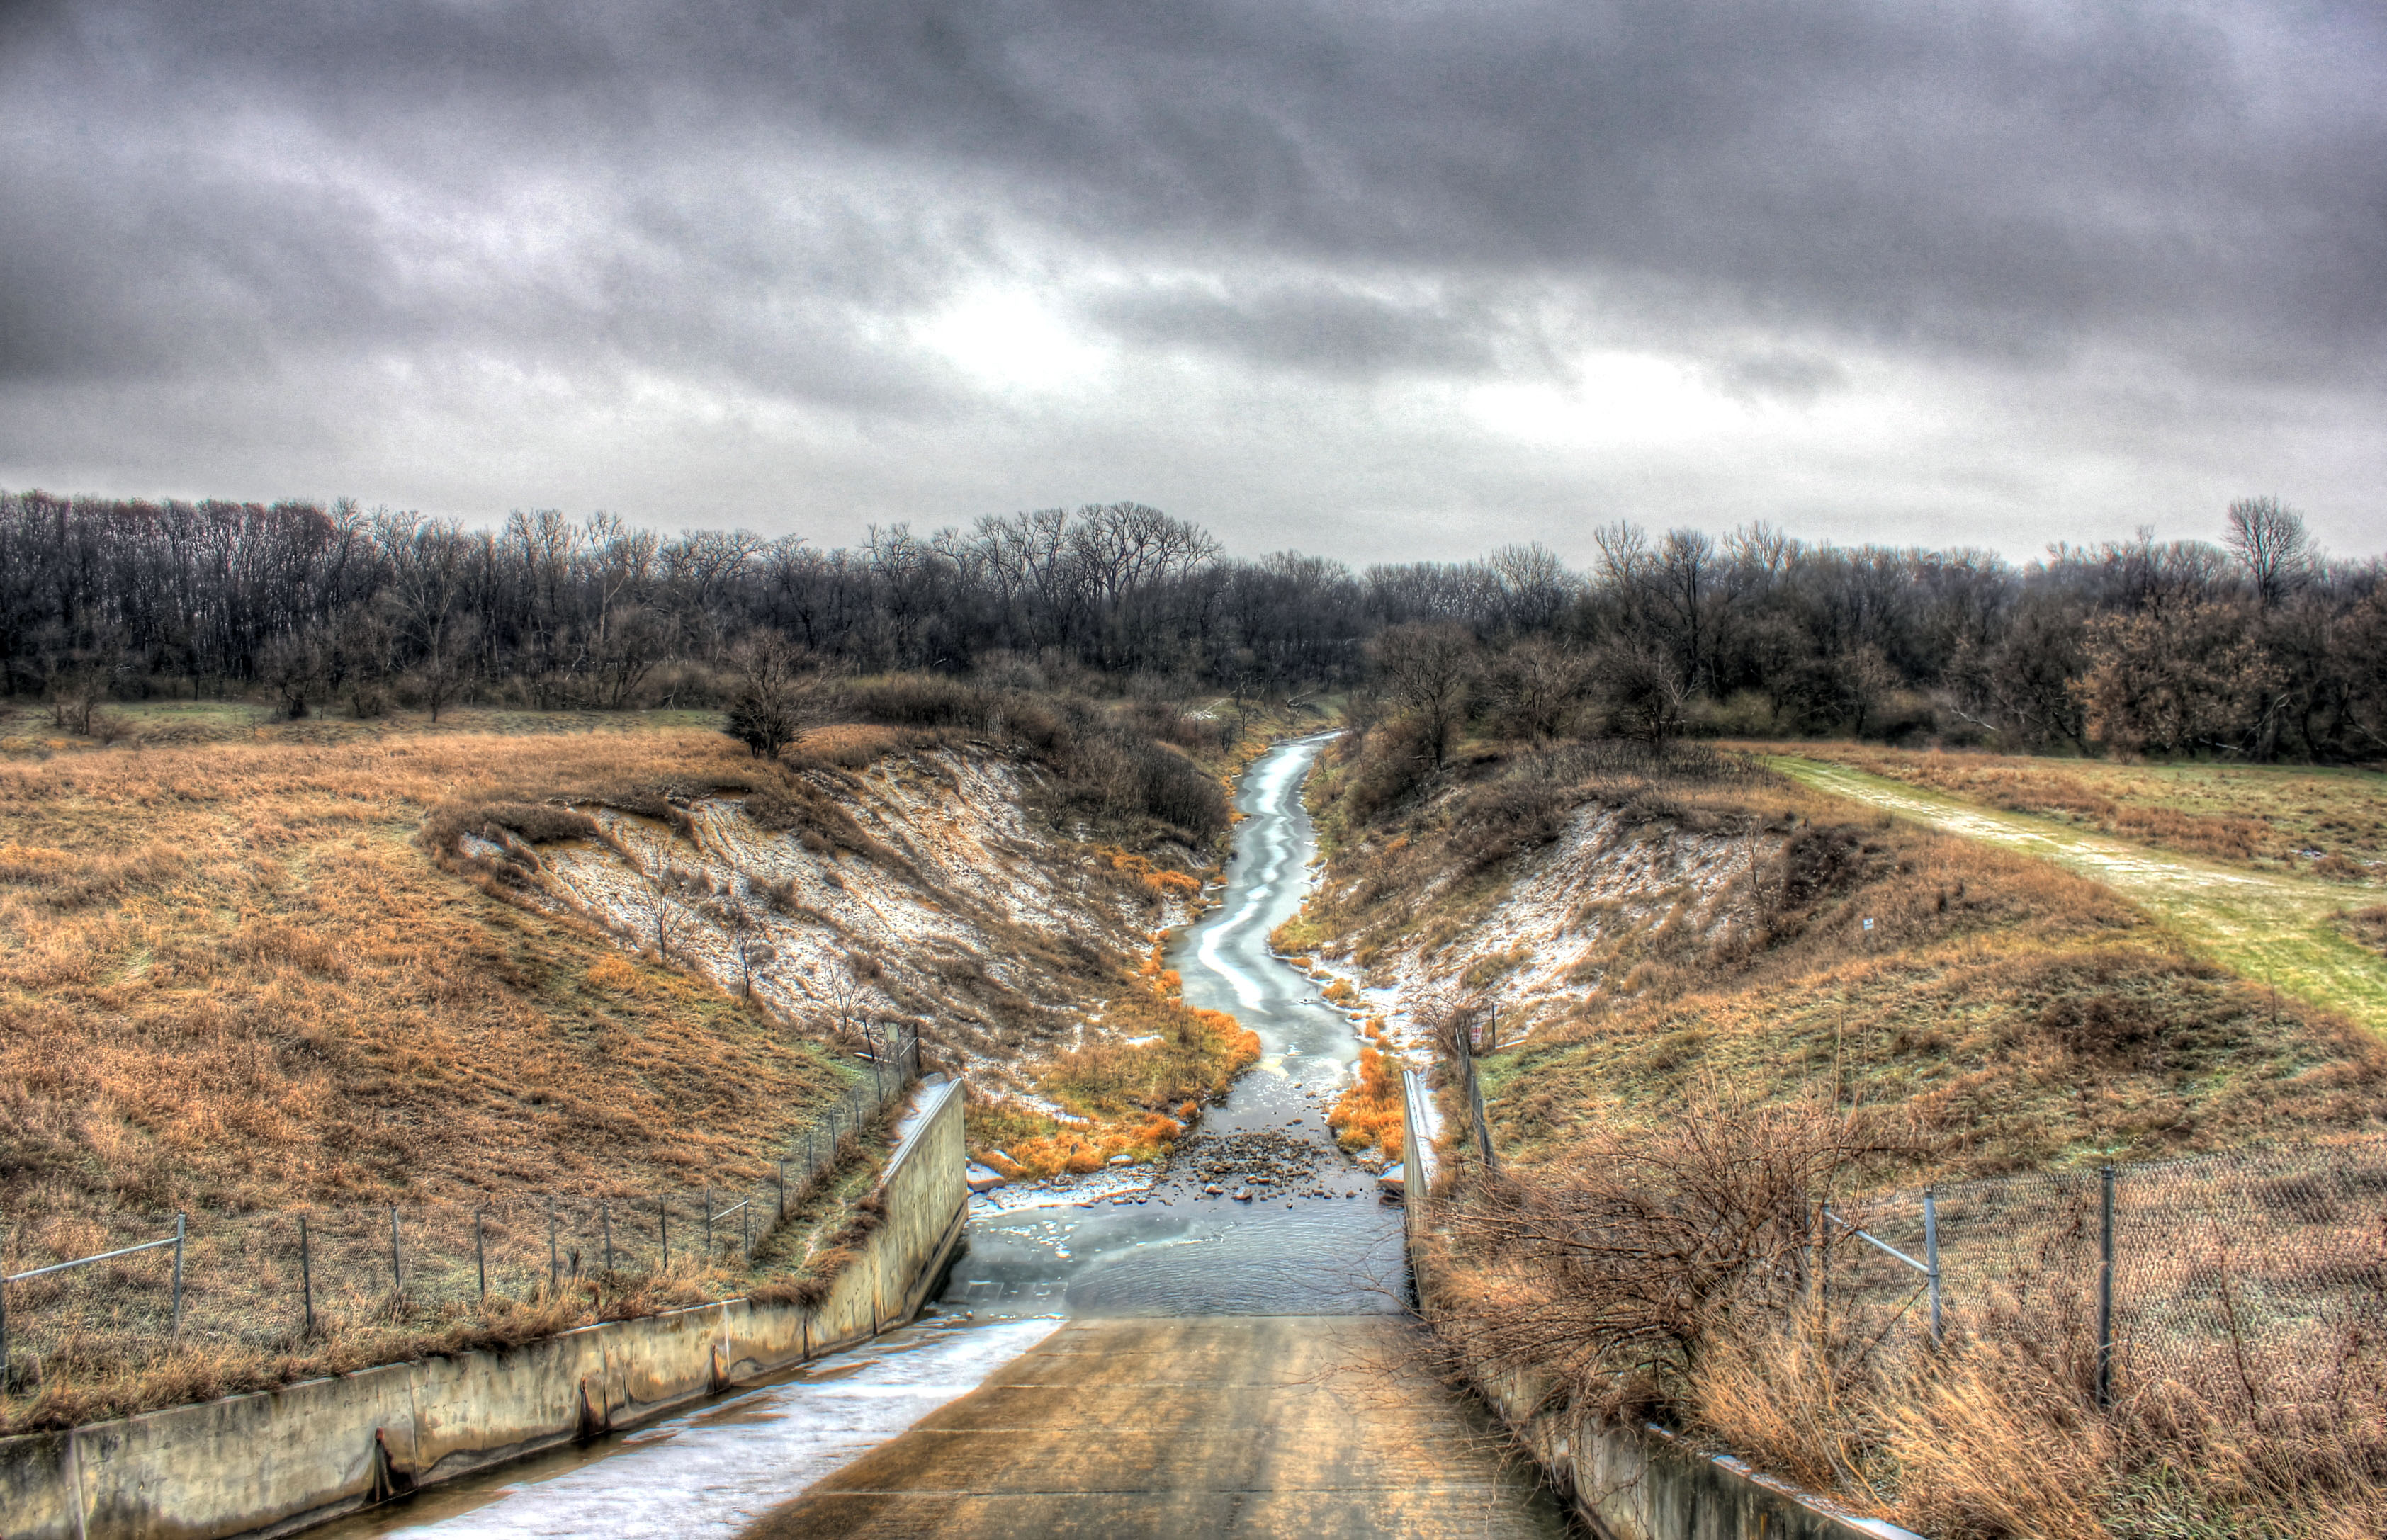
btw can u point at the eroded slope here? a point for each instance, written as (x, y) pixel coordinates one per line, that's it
(1646, 928)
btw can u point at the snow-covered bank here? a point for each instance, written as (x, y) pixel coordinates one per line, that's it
(1562, 922)
(938, 898)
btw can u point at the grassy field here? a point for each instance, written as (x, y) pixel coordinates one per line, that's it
(2330, 823)
(252, 967)
(234, 975)
(1783, 983)
(2297, 933)
(28, 730)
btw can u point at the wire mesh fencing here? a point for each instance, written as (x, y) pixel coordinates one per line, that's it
(274, 1281)
(2253, 1280)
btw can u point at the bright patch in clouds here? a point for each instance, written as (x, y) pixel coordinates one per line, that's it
(1007, 339)
(1612, 398)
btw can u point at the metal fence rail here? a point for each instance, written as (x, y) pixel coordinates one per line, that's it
(2252, 1279)
(82, 1289)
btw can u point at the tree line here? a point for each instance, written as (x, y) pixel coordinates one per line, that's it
(2256, 645)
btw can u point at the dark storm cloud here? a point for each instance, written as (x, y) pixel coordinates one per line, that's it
(771, 202)
(1979, 176)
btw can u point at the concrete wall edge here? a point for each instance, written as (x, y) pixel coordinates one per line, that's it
(339, 1443)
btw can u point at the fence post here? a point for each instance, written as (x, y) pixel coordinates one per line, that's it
(605, 1218)
(396, 1264)
(2105, 1292)
(1482, 1125)
(4, 1329)
(481, 1259)
(175, 1332)
(781, 1168)
(552, 1282)
(1931, 1256)
(708, 1227)
(307, 1274)
(662, 1223)
(746, 1230)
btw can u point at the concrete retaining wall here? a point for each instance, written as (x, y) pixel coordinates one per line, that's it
(280, 1460)
(1625, 1482)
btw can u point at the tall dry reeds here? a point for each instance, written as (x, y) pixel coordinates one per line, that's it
(1685, 1272)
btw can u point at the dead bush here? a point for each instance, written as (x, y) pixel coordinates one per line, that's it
(1640, 1249)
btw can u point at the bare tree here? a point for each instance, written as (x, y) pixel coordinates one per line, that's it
(666, 914)
(2269, 541)
(765, 714)
(1539, 685)
(429, 591)
(851, 980)
(1429, 671)
(750, 939)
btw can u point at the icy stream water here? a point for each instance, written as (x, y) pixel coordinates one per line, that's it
(1180, 1251)
(715, 1468)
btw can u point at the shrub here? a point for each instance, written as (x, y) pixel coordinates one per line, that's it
(1369, 1115)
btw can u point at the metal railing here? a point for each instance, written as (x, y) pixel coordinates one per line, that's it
(272, 1281)
(2253, 1278)
(175, 1241)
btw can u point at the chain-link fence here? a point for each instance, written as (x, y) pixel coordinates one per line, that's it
(2256, 1280)
(274, 1280)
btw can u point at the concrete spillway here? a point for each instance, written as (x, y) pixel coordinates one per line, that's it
(1282, 1395)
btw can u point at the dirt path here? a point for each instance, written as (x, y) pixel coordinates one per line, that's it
(2280, 930)
(1318, 1428)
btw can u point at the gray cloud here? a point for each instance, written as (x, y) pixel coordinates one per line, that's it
(727, 240)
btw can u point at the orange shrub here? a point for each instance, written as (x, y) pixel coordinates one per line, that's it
(1369, 1115)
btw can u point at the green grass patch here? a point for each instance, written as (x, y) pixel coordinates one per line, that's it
(2288, 931)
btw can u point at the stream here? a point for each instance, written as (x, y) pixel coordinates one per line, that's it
(1322, 1243)
(1176, 1250)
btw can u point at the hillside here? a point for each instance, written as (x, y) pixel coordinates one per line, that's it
(311, 960)
(1646, 924)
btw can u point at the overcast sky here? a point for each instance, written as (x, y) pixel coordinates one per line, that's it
(1381, 281)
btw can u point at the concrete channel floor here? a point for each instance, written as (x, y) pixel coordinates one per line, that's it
(1315, 1426)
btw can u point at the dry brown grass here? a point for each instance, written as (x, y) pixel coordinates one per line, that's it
(1370, 1115)
(2257, 815)
(2020, 1015)
(235, 977)
(1679, 1271)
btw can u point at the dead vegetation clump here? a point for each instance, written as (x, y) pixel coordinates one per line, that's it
(1370, 1115)
(1132, 1098)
